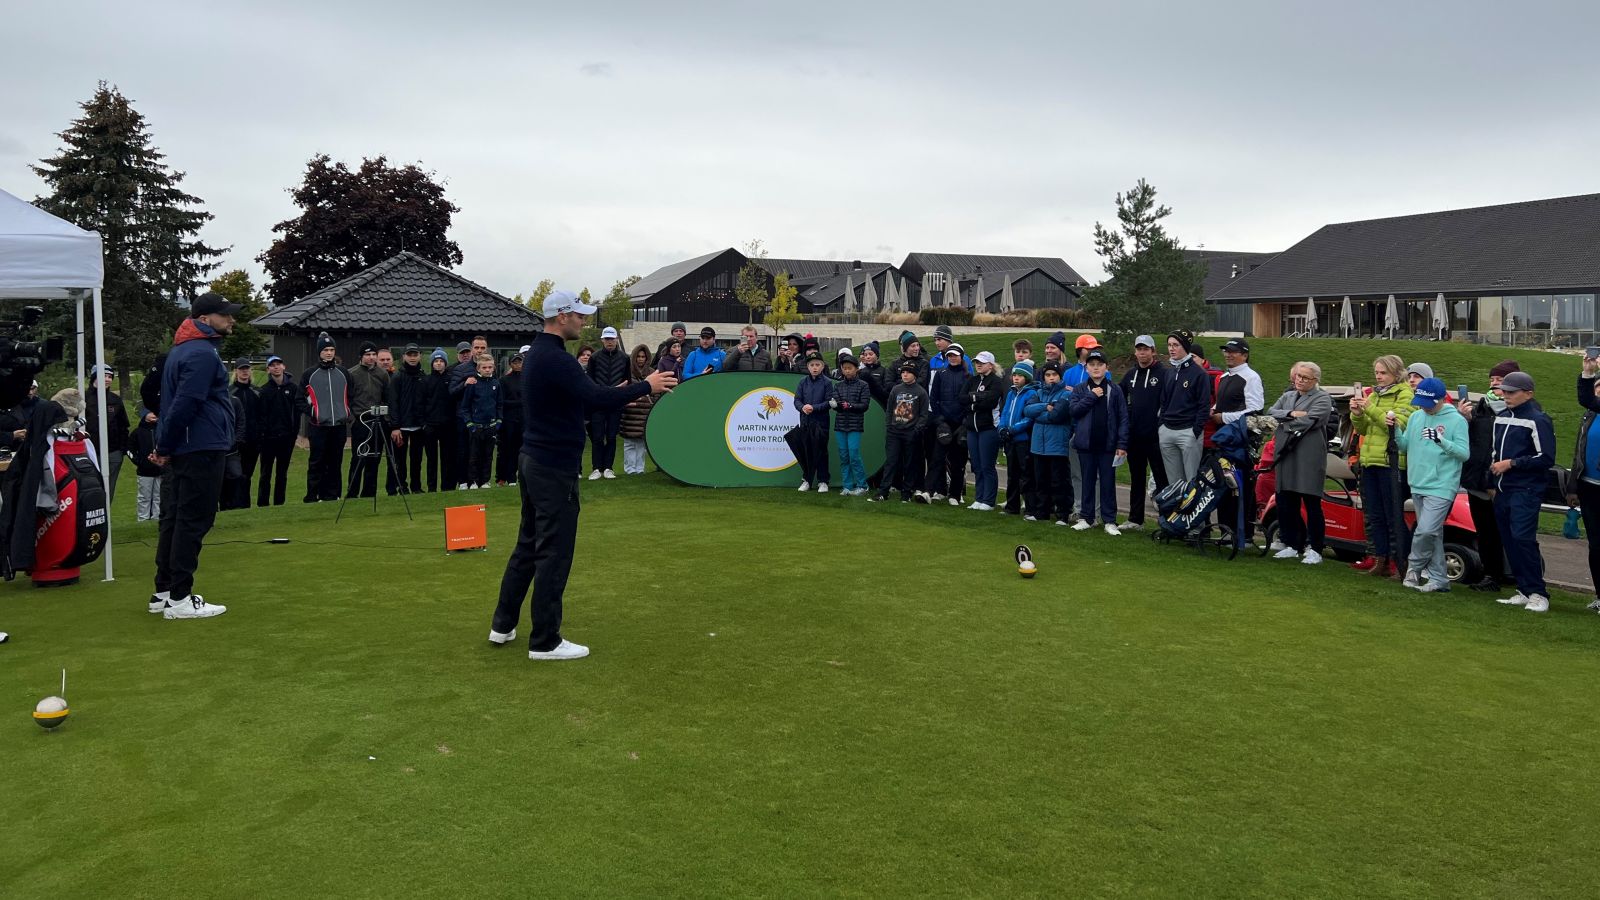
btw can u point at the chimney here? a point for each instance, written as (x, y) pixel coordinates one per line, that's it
(980, 269)
(856, 264)
(1235, 272)
(835, 268)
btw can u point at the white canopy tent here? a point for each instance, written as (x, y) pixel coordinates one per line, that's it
(46, 258)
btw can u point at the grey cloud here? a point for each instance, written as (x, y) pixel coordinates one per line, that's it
(596, 69)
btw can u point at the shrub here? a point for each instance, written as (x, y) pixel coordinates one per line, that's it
(945, 315)
(1055, 317)
(895, 318)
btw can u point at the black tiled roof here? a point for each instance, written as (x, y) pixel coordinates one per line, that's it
(1539, 246)
(1220, 271)
(824, 290)
(403, 293)
(819, 268)
(665, 276)
(965, 267)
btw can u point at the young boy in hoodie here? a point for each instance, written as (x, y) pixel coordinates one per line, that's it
(1051, 414)
(480, 411)
(144, 444)
(1016, 429)
(812, 395)
(1524, 451)
(905, 419)
(851, 398)
(1435, 444)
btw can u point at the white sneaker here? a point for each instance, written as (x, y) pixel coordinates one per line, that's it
(1036, 518)
(594, 475)
(1131, 526)
(1113, 530)
(805, 486)
(1083, 525)
(486, 485)
(1413, 578)
(1312, 557)
(1285, 552)
(1432, 587)
(608, 474)
(1516, 599)
(1275, 546)
(193, 606)
(472, 487)
(955, 501)
(462, 486)
(496, 637)
(158, 601)
(822, 487)
(936, 497)
(1538, 603)
(565, 650)
(1595, 604)
(981, 507)
(921, 497)
(1062, 522)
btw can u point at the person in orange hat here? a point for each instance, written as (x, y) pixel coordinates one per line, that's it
(1077, 374)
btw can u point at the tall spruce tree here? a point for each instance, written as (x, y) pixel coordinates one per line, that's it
(109, 177)
(1149, 287)
(351, 220)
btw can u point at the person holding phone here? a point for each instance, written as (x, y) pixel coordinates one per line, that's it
(706, 358)
(1583, 479)
(1388, 542)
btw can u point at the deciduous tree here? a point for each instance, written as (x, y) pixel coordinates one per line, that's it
(785, 308)
(245, 340)
(751, 285)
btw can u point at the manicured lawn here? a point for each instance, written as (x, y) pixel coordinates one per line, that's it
(789, 695)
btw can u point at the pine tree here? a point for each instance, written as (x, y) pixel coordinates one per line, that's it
(109, 177)
(1150, 287)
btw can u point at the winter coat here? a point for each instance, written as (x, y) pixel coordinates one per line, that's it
(116, 413)
(1369, 424)
(459, 373)
(16, 419)
(697, 360)
(1142, 387)
(196, 412)
(670, 363)
(1302, 464)
(1186, 397)
(480, 403)
(816, 392)
(281, 408)
(1525, 436)
(405, 398)
(906, 410)
(608, 368)
(327, 389)
(636, 414)
(740, 360)
(980, 401)
(878, 381)
(438, 410)
(853, 397)
(140, 445)
(1580, 453)
(367, 388)
(250, 403)
(1083, 406)
(1480, 441)
(944, 395)
(1014, 423)
(921, 362)
(1052, 428)
(1435, 469)
(511, 397)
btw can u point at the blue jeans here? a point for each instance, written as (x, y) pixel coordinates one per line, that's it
(851, 470)
(1427, 545)
(1097, 469)
(1379, 513)
(984, 448)
(1517, 514)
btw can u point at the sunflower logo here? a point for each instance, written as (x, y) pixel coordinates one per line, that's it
(770, 406)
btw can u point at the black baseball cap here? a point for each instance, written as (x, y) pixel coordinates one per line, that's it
(708, 331)
(211, 303)
(413, 348)
(1236, 345)
(463, 347)
(242, 362)
(1095, 354)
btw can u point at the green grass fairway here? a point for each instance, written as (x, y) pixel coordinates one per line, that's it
(789, 696)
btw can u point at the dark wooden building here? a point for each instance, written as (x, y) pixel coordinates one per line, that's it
(1036, 282)
(702, 289)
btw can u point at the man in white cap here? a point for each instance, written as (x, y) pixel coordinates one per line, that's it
(608, 367)
(557, 395)
(117, 434)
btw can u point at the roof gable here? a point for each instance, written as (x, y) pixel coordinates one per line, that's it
(403, 293)
(966, 266)
(668, 275)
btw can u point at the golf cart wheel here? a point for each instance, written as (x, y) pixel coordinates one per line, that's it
(1462, 564)
(1269, 533)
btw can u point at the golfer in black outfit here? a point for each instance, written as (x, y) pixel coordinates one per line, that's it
(556, 395)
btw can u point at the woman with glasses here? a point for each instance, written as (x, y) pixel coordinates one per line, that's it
(1302, 463)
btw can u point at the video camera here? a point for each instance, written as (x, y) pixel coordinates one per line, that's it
(23, 355)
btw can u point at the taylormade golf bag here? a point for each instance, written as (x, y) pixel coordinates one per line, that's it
(74, 534)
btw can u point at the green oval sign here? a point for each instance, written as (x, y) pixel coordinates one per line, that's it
(727, 429)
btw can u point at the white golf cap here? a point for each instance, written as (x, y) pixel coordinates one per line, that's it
(524, 348)
(1145, 340)
(609, 332)
(564, 302)
(985, 357)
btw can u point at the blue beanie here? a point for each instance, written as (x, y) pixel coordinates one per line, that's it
(907, 338)
(1059, 339)
(1023, 368)
(438, 353)
(870, 345)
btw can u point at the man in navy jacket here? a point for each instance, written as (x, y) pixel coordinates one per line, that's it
(193, 437)
(556, 397)
(1524, 451)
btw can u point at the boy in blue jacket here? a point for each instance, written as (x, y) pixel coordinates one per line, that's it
(810, 444)
(1100, 435)
(481, 413)
(1016, 430)
(1050, 412)
(1524, 451)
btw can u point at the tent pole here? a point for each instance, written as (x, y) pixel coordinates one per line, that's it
(79, 310)
(100, 401)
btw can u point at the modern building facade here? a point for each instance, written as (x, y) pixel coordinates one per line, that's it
(1518, 274)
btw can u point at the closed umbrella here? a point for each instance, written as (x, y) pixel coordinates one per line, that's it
(891, 297)
(952, 290)
(1311, 316)
(1391, 318)
(1347, 319)
(869, 296)
(1441, 317)
(978, 296)
(1008, 301)
(927, 290)
(849, 304)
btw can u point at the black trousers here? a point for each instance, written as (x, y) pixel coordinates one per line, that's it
(1589, 503)
(190, 489)
(1052, 478)
(1490, 549)
(603, 428)
(947, 467)
(1019, 479)
(237, 492)
(543, 555)
(439, 450)
(481, 449)
(324, 470)
(902, 454)
(510, 447)
(462, 449)
(409, 456)
(392, 480)
(1295, 531)
(366, 445)
(275, 455)
(1143, 451)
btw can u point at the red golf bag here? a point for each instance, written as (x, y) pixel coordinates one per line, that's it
(75, 533)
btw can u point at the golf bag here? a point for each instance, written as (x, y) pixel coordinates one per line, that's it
(1185, 508)
(74, 534)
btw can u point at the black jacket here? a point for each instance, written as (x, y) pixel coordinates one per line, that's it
(1480, 448)
(921, 362)
(405, 400)
(16, 419)
(116, 413)
(608, 368)
(282, 405)
(250, 402)
(738, 360)
(878, 381)
(438, 406)
(556, 398)
(1143, 389)
(1186, 397)
(142, 444)
(980, 397)
(852, 396)
(944, 396)
(511, 396)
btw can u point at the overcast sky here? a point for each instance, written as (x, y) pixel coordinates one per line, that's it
(589, 141)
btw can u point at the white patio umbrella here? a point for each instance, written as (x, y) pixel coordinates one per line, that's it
(890, 300)
(952, 290)
(869, 296)
(1441, 317)
(1391, 318)
(1311, 316)
(1347, 318)
(849, 304)
(927, 289)
(978, 296)
(1008, 302)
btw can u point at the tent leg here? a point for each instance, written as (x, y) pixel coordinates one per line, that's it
(100, 396)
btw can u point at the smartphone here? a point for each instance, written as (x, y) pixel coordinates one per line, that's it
(1592, 352)
(1461, 396)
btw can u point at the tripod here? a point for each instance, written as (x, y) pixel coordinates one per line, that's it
(368, 455)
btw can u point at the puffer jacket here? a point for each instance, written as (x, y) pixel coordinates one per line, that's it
(816, 392)
(1370, 425)
(608, 368)
(1580, 453)
(944, 395)
(852, 396)
(1525, 436)
(1013, 420)
(980, 401)
(1052, 428)
(636, 414)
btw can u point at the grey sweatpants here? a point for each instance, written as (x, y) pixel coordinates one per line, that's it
(1427, 542)
(1180, 453)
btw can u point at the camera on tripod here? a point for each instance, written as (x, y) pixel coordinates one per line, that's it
(23, 354)
(376, 412)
